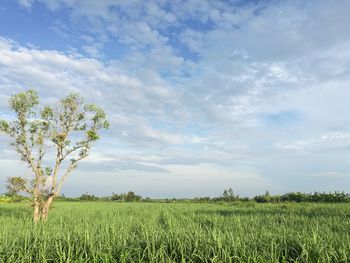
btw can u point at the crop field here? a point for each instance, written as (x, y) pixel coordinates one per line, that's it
(177, 232)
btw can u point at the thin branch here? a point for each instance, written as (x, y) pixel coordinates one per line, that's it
(68, 152)
(69, 170)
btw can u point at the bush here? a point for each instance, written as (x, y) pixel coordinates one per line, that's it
(128, 197)
(5, 199)
(88, 197)
(13, 199)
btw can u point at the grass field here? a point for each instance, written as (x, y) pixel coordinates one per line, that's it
(155, 232)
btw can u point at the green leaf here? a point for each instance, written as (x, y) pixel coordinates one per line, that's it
(23, 102)
(4, 127)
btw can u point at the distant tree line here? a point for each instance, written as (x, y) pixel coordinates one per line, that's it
(298, 197)
(123, 197)
(15, 197)
(228, 196)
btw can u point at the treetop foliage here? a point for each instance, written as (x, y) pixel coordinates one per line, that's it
(32, 129)
(23, 102)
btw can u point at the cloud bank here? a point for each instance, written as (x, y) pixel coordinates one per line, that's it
(201, 95)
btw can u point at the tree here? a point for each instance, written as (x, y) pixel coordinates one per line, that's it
(225, 194)
(128, 197)
(88, 197)
(131, 197)
(230, 193)
(64, 132)
(15, 185)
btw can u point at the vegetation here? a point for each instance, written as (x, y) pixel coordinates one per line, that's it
(128, 197)
(298, 197)
(70, 127)
(227, 197)
(154, 232)
(88, 197)
(316, 197)
(13, 199)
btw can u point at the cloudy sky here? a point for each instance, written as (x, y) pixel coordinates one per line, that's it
(202, 95)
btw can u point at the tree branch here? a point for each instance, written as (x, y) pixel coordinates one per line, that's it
(69, 170)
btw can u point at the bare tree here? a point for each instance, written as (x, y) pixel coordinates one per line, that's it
(63, 133)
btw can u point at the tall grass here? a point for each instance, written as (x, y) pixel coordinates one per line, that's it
(149, 232)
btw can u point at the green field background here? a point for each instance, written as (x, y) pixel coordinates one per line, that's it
(177, 232)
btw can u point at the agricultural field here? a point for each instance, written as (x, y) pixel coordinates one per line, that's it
(177, 232)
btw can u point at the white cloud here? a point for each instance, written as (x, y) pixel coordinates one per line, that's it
(25, 3)
(4, 101)
(54, 73)
(326, 140)
(93, 51)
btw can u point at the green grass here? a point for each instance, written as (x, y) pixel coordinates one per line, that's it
(151, 232)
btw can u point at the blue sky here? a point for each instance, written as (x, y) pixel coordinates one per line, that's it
(201, 95)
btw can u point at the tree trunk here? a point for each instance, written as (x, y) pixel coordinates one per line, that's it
(45, 211)
(36, 216)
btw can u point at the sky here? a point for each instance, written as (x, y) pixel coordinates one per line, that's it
(202, 95)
